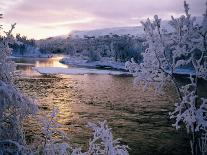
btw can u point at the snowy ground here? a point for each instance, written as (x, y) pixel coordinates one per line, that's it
(83, 66)
(184, 71)
(77, 71)
(108, 63)
(105, 63)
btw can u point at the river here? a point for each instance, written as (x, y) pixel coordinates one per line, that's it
(139, 117)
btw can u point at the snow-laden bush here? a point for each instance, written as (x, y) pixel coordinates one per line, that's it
(103, 138)
(7, 66)
(12, 147)
(167, 52)
(56, 141)
(14, 107)
(102, 142)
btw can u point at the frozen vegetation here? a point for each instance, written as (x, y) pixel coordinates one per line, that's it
(104, 63)
(165, 55)
(153, 59)
(15, 109)
(106, 50)
(23, 47)
(119, 48)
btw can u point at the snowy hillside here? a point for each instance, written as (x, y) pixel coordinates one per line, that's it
(137, 31)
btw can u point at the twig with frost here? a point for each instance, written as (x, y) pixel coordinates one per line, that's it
(54, 138)
(166, 52)
(102, 142)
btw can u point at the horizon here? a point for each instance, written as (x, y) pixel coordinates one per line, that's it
(42, 19)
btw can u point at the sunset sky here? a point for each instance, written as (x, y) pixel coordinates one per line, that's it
(44, 18)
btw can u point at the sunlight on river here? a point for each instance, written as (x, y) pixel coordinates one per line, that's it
(26, 64)
(140, 118)
(51, 62)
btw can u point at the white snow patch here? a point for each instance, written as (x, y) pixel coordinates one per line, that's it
(76, 71)
(184, 71)
(104, 63)
(137, 31)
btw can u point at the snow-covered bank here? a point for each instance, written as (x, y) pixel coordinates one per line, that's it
(29, 51)
(184, 71)
(105, 63)
(32, 55)
(77, 71)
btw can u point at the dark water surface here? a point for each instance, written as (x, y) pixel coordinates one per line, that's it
(140, 118)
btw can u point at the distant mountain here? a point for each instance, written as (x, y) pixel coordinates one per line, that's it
(138, 30)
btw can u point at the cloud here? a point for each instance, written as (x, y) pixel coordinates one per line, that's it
(67, 23)
(6, 5)
(90, 14)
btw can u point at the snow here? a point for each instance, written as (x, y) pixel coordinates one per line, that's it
(180, 45)
(136, 30)
(77, 71)
(184, 71)
(106, 63)
(30, 51)
(29, 55)
(132, 30)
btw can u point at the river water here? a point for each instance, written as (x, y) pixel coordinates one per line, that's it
(139, 117)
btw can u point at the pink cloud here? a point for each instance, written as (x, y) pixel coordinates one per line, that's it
(105, 13)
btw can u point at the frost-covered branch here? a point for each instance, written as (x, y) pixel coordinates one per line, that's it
(103, 138)
(184, 47)
(102, 142)
(14, 106)
(54, 139)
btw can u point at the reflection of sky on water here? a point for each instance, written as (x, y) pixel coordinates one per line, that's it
(140, 118)
(52, 62)
(26, 64)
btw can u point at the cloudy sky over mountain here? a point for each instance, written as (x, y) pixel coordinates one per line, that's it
(44, 18)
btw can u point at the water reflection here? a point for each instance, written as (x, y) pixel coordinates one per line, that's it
(25, 65)
(140, 118)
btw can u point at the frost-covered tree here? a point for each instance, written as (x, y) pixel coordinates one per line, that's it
(54, 141)
(166, 54)
(102, 142)
(23, 46)
(14, 107)
(7, 66)
(119, 48)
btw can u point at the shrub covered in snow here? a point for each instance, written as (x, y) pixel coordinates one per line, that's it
(14, 107)
(56, 141)
(167, 51)
(120, 48)
(102, 142)
(186, 45)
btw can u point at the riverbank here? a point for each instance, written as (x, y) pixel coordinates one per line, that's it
(62, 64)
(103, 63)
(80, 66)
(78, 71)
